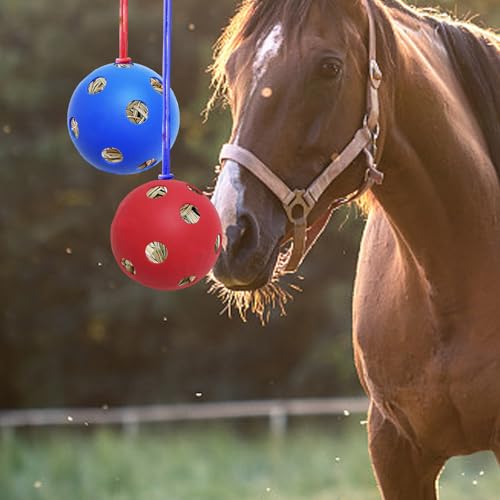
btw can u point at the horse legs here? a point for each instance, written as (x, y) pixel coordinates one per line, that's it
(402, 471)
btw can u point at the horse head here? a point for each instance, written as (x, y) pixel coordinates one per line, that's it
(295, 76)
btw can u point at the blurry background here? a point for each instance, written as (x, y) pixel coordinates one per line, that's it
(73, 330)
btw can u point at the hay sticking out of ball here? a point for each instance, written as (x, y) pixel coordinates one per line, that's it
(129, 267)
(112, 155)
(218, 241)
(137, 112)
(190, 214)
(157, 192)
(75, 129)
(97, 85)
(157, 85)
(146, 164)
(187, 281)
(156, 252)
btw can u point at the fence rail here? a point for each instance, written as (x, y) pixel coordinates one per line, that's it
(277, 411)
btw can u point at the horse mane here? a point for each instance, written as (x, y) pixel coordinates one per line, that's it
(475, 57)
(474, 52)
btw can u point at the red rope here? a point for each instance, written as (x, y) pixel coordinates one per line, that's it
(123, 57)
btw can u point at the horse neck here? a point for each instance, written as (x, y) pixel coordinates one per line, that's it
(441, 194)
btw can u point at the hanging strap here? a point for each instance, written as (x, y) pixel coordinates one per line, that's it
(123, 57)
(166, 173)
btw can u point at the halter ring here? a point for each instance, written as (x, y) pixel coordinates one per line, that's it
(300, 199)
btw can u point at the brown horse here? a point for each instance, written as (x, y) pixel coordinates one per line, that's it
(330, 98)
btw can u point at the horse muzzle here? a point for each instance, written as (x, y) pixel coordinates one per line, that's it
(245, 271)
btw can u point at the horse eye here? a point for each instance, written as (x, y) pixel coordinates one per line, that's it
(330, 69)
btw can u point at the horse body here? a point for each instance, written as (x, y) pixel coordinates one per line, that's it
(432, 372)
(426, 320)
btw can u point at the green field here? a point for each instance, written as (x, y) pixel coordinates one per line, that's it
(207, 462)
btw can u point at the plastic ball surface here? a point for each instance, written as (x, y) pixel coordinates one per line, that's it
(115, 118)
(166, 235)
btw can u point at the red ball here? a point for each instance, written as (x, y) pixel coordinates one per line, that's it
(166, 235)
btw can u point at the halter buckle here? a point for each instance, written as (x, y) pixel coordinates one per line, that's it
(301, 201)
(375, 131)
(373, 175)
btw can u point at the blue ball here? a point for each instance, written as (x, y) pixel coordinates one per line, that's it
(115, 118)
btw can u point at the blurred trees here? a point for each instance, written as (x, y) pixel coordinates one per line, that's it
(73, 329)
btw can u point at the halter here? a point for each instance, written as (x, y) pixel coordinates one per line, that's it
(299, 203)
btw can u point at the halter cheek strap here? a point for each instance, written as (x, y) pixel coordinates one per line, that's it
(299, 203)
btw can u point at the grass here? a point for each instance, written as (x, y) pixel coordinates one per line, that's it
(208, 462)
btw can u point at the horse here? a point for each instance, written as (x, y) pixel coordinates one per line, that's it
(339, 100)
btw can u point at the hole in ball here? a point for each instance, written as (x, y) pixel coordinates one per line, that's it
(129, 267)
(156, 252)
(194, 189)
(112, 155)
(156, 84)
(97, 85)
(146, 164)
(187, 281)
(218, 241)
(157, 192)
(190, 214)
(123, 66)
(75, 129)
(137, 112)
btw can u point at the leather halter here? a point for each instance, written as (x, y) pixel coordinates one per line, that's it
(299, 203)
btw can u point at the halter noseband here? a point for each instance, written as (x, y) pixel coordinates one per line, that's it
(299, 203)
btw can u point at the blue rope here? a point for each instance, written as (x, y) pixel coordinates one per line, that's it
(167, 62)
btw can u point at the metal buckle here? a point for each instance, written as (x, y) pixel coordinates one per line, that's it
(375, 133)
(373, 174)
(299, 200)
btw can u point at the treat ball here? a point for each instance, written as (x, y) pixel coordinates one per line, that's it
(166, 235)
(115, 118)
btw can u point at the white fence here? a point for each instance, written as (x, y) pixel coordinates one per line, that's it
(277, 411)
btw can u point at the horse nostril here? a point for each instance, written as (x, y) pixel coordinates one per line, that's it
(243, 239)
